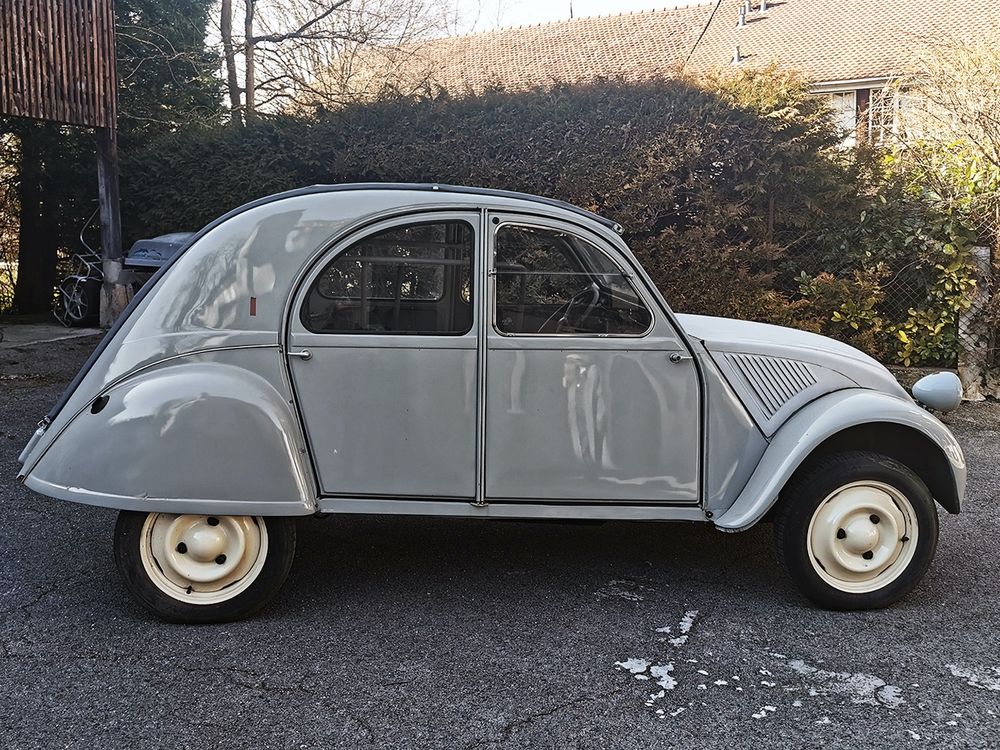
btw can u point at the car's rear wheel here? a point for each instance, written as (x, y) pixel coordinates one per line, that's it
(856, 531)
(203, 568)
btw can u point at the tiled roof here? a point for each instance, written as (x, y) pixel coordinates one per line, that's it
(829, 40)
(632, 45)
(826, 40)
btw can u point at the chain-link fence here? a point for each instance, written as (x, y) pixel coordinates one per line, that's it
(908, 307)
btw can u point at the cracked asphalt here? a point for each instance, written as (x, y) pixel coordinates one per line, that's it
(409, 632)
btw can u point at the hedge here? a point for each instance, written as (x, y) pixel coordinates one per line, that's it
(728, 188)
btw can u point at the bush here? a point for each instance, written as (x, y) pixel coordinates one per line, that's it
(902, 268)
(731, 190)
(691, 171)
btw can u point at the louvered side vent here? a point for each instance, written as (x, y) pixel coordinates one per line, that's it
(774, 381)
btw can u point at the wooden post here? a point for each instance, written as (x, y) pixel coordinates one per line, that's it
(114, 297)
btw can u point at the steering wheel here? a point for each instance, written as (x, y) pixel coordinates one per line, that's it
(576, 310)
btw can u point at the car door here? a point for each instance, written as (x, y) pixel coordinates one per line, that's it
(591, 394)
(383, 355)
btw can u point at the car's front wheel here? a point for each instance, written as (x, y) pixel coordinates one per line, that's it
(856, 531)
(203, 568)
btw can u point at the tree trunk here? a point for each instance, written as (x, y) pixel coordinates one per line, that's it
(37, 243)
(250, 90)
(232, 82)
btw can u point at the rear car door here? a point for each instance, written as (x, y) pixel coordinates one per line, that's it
(383, 354)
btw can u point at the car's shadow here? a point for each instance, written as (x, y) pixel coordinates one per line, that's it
(345, 560)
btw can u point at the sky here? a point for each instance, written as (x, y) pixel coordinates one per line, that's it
(483, 15)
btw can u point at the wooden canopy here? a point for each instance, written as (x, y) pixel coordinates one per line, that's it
(57, 61)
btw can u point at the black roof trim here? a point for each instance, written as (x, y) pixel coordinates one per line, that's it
(311, 190)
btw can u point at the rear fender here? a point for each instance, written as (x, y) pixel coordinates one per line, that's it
(187, 437)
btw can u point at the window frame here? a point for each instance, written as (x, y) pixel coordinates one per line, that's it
(626, 274)
(327, 260)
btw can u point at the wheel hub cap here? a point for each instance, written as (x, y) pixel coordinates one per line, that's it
(203, 559)
(862, 536)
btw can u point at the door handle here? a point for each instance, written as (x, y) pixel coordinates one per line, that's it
(676, 357)
(304, 354)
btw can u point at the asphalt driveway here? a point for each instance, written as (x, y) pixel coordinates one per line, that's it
(409, 632)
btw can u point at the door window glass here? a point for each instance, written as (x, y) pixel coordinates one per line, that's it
(414, 279)
(553, 282)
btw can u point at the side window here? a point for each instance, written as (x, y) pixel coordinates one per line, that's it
(413, 279)
(553, 282)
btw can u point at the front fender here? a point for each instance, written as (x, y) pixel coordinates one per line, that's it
(821, 420)
(187, 437)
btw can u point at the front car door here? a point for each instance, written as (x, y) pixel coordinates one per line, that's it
(591, 394)
(383, 354)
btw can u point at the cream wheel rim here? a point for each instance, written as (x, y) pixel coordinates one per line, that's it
(862, 537)
(202, 559)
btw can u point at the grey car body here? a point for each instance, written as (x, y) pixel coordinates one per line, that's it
(212, 395)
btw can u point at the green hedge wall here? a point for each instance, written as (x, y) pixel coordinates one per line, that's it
(703, 176)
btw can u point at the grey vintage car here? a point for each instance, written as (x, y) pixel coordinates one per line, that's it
(440, 350)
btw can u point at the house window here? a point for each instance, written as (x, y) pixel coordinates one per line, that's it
(843, 106)
(881, 116)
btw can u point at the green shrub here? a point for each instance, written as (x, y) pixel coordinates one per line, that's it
(690, 170)
(731, 190)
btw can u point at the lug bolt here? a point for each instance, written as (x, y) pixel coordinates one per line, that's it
(868, 555)
(873, 518)
(220, 559)
(182, 548)
(213, 521)
(841, 534)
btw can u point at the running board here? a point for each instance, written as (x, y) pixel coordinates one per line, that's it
(462, 509)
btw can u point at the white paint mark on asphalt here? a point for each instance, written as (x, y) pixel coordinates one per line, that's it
(824, 720)
(764, 711)
(975, 679)
(686, 623)
(635, 666)
(891, 696)
(661, 672)
(914, 735)
(627, 590)
(859, 687)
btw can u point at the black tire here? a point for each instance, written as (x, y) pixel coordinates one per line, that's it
(801, 500)
(276, 565)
